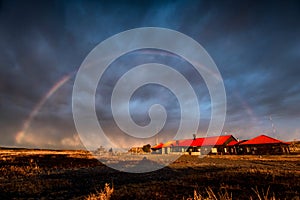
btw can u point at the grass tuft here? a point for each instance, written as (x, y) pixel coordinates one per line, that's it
(103, 194)
(211, 195)
(262, 195)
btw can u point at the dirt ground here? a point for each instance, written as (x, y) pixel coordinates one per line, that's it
(46, 174)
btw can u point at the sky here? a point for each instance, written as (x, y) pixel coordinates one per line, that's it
(254, 44)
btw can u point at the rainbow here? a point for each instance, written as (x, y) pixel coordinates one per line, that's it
(22, 134)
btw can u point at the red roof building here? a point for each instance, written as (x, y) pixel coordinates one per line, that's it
(224, 144)
(214, 144)
(262, 145)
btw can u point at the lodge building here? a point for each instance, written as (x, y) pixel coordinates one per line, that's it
(224, 144)
(196, 146)
(263, 145)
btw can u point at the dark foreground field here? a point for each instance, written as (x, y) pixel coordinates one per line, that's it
(37, 174)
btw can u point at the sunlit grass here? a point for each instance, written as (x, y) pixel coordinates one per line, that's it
(76, 174)
(104, 194)
(208, 194)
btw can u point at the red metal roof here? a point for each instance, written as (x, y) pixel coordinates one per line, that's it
(169, 143)
(158, 146)
(232, 143)
(216, 141)
(263, 139)
(184, 143)
(209, 141)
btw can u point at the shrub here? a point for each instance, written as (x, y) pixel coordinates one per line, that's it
(102, 195)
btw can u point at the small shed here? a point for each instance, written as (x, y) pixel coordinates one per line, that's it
(264, 145)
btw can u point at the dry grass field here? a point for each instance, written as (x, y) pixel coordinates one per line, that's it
(47, 174)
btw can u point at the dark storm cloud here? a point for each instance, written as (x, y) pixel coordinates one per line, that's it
(255, 45)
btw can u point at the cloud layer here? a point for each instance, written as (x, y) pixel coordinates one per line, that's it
(255, 45)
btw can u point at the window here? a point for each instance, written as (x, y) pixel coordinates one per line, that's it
(214, 150)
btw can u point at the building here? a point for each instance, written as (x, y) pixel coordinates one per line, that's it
(263, 145)
(234, 148)
(225, 144)
(196, 146)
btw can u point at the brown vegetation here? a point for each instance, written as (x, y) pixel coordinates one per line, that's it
(295, 147)
(102, 195)
(76, 175)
